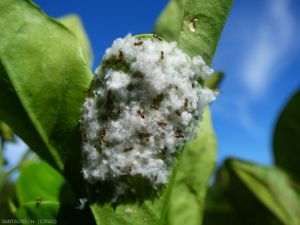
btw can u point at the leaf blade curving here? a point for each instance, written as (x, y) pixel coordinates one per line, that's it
(43, 76)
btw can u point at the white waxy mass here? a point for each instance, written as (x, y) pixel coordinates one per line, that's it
(143, 106)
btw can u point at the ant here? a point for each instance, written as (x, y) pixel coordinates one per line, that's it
(154, 107)
(162, 124)
(162, 55)
(157, 37)
(84, 137)
(178, 134)
(88, 91)
(139, 43)
(128, 149)
(147, 136)
(38, 201)
(186, 103)
(141, 114)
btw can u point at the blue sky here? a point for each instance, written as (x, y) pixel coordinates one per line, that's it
(258, 51)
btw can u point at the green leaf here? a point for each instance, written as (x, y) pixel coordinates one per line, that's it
(129, 214)
(48, 212)
(6, 133)
(43, 76)
(39, 180)
(219, 211)
(218, 207)
(73, 23)
(195, 24)
(261, 195)
(42, 193)
(215, 80)
(286, 137)
(147, 212)
(195, 168)
(206, 18)
(169, 22)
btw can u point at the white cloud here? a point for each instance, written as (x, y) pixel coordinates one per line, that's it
(237, 111)
(271, 47)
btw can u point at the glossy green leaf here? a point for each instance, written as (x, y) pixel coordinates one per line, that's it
(261, 195)
(51, 212)
(73, 23)
(169, 22)
(42, 193)
(147, 212)
(195, 24)
(195, 168)
(286, 142)
(130, 214)
(39, 180)
(202, 25)
(6, 133)
(43, 76)
(46, 210)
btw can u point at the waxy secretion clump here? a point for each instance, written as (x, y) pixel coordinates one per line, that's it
(143, 105)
